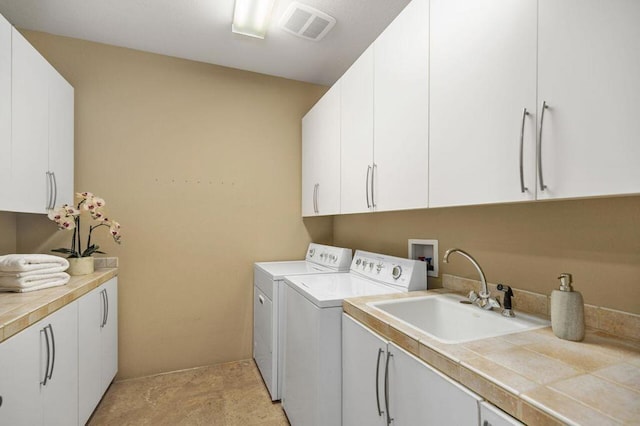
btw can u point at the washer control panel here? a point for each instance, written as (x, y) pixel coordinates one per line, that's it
(334, 257)
(403, 273)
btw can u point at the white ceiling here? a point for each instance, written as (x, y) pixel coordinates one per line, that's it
(200, 30)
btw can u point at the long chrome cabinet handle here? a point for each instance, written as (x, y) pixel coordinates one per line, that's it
(49, 191)
(542, 185)
(314, 197)
(317, 197)
(373, 178)
(380, 352)
(53, 351)
(104, 308)
(106, 301)
(366, 186)
(524, 115)
(55, 190)
(46, 370)
(386, 389)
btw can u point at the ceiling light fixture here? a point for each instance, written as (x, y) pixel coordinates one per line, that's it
(251, 17)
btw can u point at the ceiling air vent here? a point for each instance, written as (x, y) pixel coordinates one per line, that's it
(306, 22)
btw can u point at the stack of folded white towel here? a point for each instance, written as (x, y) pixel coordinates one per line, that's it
(29, 272)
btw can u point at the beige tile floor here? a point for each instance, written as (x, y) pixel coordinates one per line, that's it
(226, 395)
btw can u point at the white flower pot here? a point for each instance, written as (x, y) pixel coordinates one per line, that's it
(80, 266)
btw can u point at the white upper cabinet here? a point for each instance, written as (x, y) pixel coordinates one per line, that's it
(30, 128)
(482, 145)
(588, 76)
(36, 128)
(401, 113)
(321, 156)
(61, 138)
(357, 135)
(5, 110)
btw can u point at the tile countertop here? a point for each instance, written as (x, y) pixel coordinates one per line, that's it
(532, 375)
(20, 310)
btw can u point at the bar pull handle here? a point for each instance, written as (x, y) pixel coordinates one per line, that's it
(55, 190)
(542, 185)
(106, 302)
(373, 175)
(380, 352)
(49, 191)
(261, 300)
(46, 370)
(104, 308)
(522, 187)
(366, 186)
(53, 351)
(386, 389)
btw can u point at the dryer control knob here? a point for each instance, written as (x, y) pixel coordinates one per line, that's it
(358, 261)
(396, 272)
(312, 252)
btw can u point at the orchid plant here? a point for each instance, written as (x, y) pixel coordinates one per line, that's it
(68, 217)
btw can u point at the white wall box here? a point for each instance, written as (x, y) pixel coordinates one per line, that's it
(321, 156)
(382, 381)
(483, 77)
(5, 110)
(37, 159)
(588, 68)
(98, 342)
(426, 251)
(39, 374)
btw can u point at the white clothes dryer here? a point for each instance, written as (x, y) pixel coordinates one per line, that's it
(312, 382)
(268, 297)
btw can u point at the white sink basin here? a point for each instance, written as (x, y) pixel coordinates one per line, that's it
(447, 320)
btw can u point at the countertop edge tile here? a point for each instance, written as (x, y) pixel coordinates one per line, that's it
(45, 302)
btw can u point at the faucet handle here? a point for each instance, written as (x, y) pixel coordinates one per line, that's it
(506, 302)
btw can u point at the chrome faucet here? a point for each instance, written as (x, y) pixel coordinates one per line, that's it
(484, 299)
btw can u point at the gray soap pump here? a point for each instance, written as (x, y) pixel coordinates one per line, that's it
(567, 311)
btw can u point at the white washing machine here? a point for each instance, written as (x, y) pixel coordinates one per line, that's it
(312, 385)
(268, 297)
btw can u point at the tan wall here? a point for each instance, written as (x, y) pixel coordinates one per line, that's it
(522, 245)
(201, 165)
(7, 233)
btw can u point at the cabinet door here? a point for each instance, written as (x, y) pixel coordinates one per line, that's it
(589, 63)
(321, 156)
(363, 366)
(90, 319)
(109, 335)
(61, 137)
(60, 394)
(30, 127)
(263, 352)
(483, 76)
(356, 144)
(98, 345)
(5, 113)
(421, 395)
(21, 371)
(401, 113)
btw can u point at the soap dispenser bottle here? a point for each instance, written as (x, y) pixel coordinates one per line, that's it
(567, 311)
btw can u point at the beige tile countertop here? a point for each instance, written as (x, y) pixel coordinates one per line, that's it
(20, 310)
(532, 375)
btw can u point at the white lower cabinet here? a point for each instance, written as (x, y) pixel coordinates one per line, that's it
(39, 374)
(383, 384)
(98, 340)
(493, 416)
